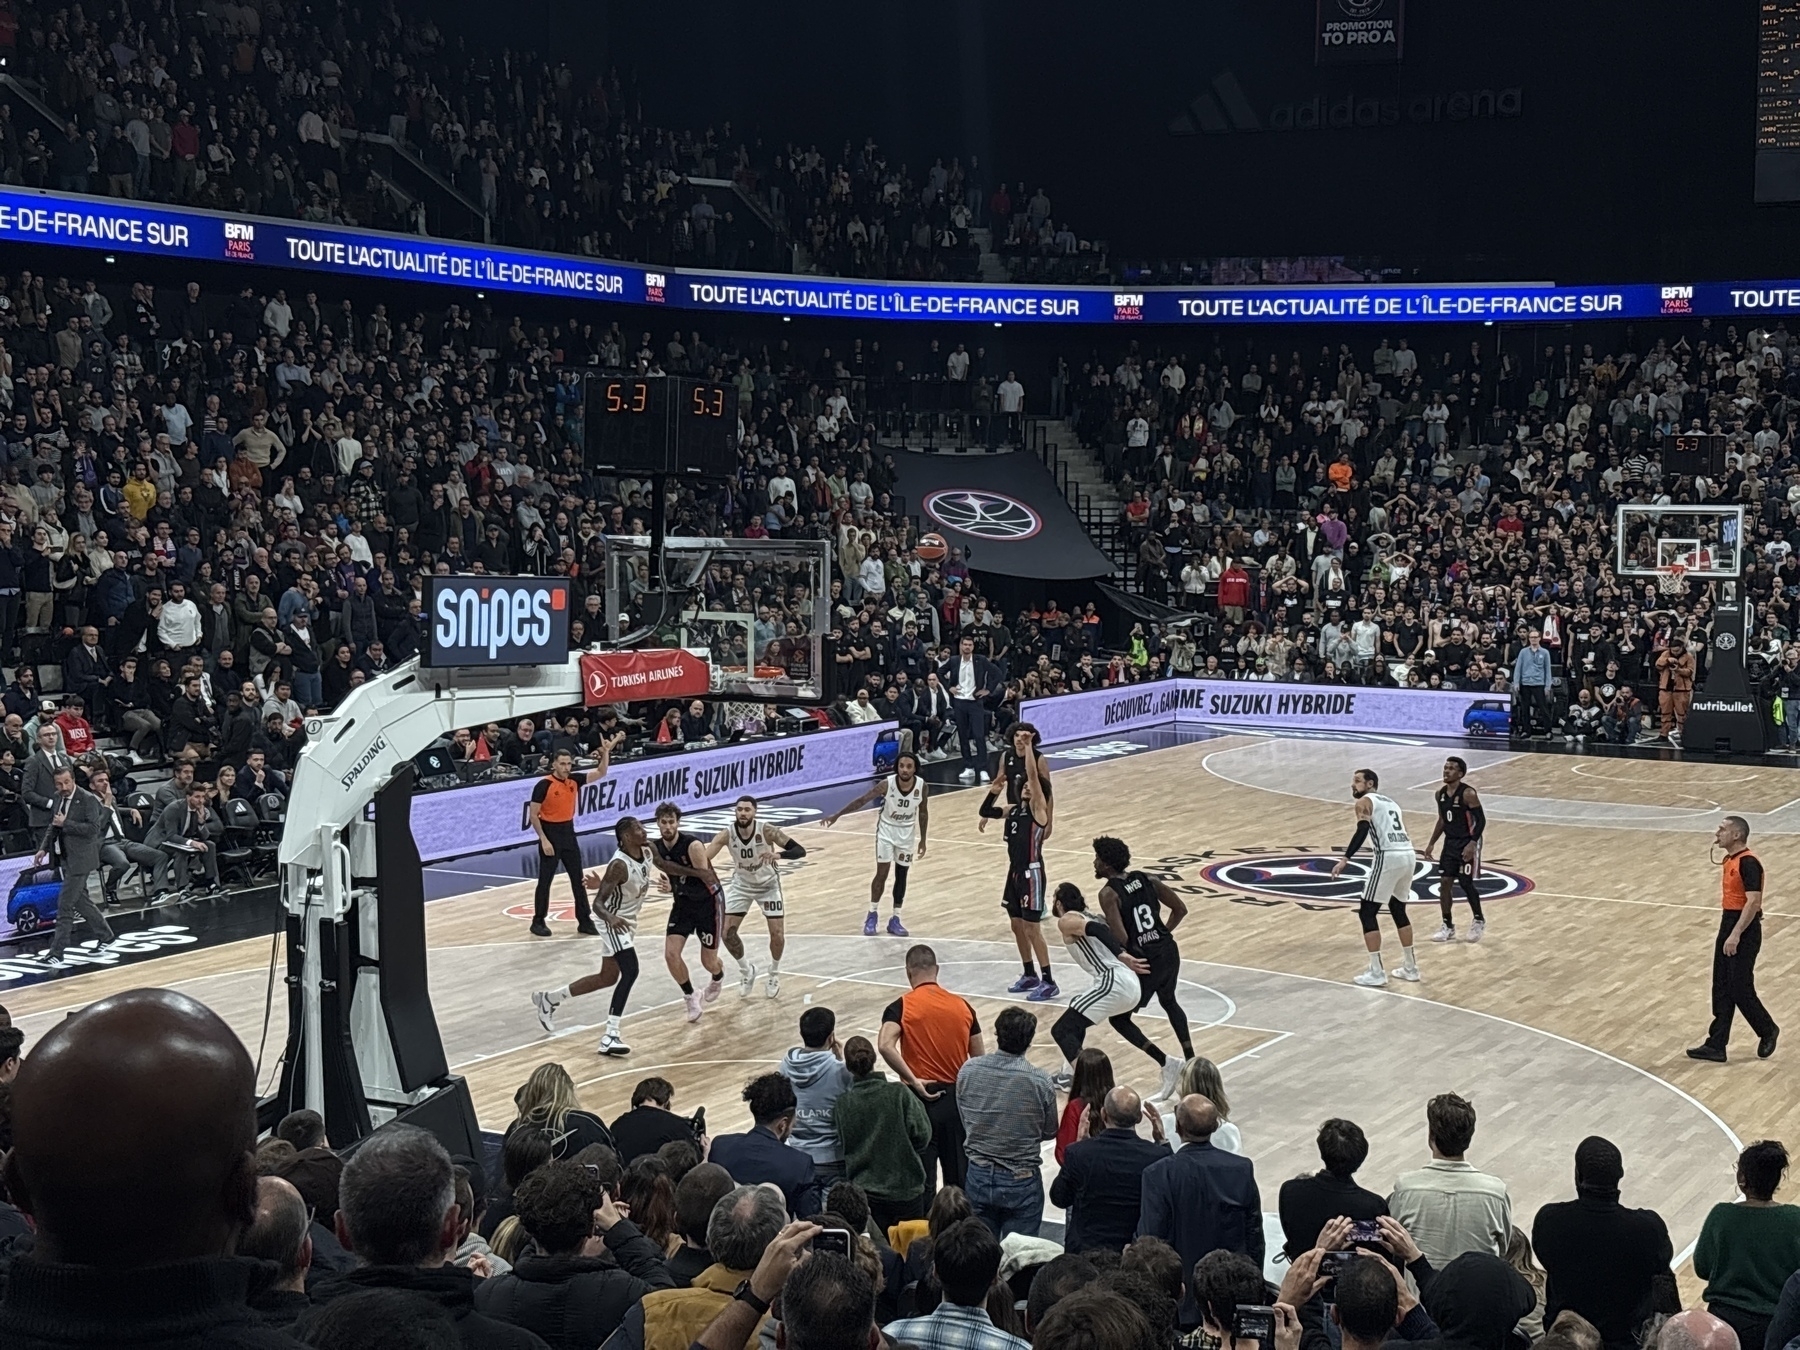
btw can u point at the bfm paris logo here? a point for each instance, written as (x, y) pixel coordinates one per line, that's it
(655, 284)
(1303, 876)
(1128, 305)
(983, 514)
(1677, 299)
(240, 241)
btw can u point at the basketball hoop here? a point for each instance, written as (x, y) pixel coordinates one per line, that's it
(1672, 579)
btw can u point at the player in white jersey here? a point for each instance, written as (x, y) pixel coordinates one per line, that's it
(619, 893)
(899, 835)
(1390, 878)
(755, 878)
(1115, 992)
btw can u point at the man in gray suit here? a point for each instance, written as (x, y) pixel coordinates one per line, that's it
(38, 777)
(77, 822)
(188, 831)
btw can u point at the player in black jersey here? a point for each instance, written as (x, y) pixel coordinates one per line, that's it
(1009, 769)
(1025, 898)
(1461, 823)
(1133, 904)
(699, 908)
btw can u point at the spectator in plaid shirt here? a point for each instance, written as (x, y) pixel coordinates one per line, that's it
(965, 1258)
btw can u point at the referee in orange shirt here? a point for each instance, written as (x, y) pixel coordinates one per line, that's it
(552, 818)
(926, 1036)
(1734, 954)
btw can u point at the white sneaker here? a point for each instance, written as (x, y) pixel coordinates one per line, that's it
(1171, 1071)
(710, 994)
(772, 985)
(984, 777)
(1445, 933)
(1408, 973)
(693, 1007)
(1372, 979)
(546, 1011)
(746, 978)
(966, 776)
(611, 1044)
(1476, 929)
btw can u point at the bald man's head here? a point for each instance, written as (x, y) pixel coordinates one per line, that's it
(135, 1116)
(279, 1232)
(1196, 1118)
(1696, 1330)
(1122, 1109)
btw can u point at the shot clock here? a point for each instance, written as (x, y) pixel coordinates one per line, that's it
(662, 424)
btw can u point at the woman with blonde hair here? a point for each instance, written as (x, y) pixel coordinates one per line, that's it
(547, 1102)
(1201, 1076)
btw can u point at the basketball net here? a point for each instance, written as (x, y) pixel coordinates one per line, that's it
(1672, 580)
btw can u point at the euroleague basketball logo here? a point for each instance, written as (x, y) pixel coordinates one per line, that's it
(1306, 878)
(985, 515)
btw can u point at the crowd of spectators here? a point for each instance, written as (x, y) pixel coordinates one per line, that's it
(858, 1211)
(217, 511)
(1389, 515)
(260, 108)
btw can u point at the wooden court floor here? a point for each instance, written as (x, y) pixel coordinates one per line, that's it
(1570, 1018)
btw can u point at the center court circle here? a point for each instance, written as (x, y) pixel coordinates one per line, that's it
(1307, 877)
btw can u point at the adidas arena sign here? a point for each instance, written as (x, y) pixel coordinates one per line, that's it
(1226, 108)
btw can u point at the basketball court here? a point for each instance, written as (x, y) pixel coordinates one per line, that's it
(1570, 1018)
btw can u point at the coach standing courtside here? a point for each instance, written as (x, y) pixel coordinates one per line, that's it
(927, 1035)
(552, 818)
(970, 680)
(76, 825)
(1734, 954)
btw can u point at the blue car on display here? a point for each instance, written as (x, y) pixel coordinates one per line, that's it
(31, 903)
(1488, 717)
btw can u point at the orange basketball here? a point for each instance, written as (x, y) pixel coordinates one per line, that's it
(931, 548)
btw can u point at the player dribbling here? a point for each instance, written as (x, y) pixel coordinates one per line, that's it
(699, 908)
(755, 879)
(899, 836)
(1391, 868)
(619, 893)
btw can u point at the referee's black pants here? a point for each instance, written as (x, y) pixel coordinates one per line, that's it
(1734, 982)
(946, 1147)
(567, 855)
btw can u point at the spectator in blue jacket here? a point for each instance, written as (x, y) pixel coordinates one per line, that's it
(1202, 1199)
(764, 1154)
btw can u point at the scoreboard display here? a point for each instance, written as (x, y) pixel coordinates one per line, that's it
(1691, 454)
(661, 424)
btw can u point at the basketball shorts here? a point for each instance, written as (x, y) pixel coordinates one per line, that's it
(698, 916)
(1115, 992)
(895, 848)
(613, 941)
(1451, 863)
(1391, 877)
(1165, 971)
(1024, 897)
(741, 894)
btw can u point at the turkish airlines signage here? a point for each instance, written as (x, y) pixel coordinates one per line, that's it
(625, 676)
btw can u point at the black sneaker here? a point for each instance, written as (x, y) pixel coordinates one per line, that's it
(586, 928)
(539, 928)
(1709, 1052)
(1766, 1046)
